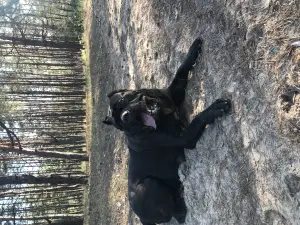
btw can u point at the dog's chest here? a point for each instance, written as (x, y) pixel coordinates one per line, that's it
(171, 124)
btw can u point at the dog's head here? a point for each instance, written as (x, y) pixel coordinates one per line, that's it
(137, 110)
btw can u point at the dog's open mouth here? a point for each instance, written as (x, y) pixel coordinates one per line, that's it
(148, 117)
(148, 120)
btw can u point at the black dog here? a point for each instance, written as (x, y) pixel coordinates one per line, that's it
(156, 140)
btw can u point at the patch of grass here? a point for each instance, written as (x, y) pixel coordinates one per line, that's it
(118, 185)
(118, 188)
(85, 202)
(85, 54)
(83, 13)
(89, 106)
(84, 167)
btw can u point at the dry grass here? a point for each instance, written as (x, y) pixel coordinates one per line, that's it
(236, 173)
(87, 4)
(118, 186)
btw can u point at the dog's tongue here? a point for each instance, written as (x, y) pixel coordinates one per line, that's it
(148, 120)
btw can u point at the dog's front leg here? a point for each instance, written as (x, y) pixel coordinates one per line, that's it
(178, 85)
(157, 139)
(198, 124)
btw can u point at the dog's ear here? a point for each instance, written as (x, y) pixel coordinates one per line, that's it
(167, 106)
(168, 110)
(108, 120)
(116, 91)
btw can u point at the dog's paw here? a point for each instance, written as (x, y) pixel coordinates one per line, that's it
(219, 108)
(196, 46)
(221, 104)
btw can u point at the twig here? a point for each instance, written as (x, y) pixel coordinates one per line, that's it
(8, 134)
(11, 135)
(295, 125)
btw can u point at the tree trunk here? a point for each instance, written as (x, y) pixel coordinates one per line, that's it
(50, 44)
(45, 154)
(14, 192)
(53, 180)
(62, 217)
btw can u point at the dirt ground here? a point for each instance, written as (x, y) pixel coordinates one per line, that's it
(246, 168)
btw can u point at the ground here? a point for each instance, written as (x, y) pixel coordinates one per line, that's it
(246, 168)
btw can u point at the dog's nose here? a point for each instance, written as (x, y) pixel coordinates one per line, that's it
(125, 117)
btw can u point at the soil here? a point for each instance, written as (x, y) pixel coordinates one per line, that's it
(246, 167)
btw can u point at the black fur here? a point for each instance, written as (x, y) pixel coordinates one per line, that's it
(156, 138)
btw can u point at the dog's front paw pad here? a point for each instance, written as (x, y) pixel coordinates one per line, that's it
(199, 40)
(197, 44)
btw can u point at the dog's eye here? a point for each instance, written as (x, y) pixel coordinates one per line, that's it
(125, 116)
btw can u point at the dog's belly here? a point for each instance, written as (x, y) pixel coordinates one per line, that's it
(160, 163)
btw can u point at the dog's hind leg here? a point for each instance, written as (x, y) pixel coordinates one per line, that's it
(180, 210)
(178, 85)
(147, 223)
(152, 201)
